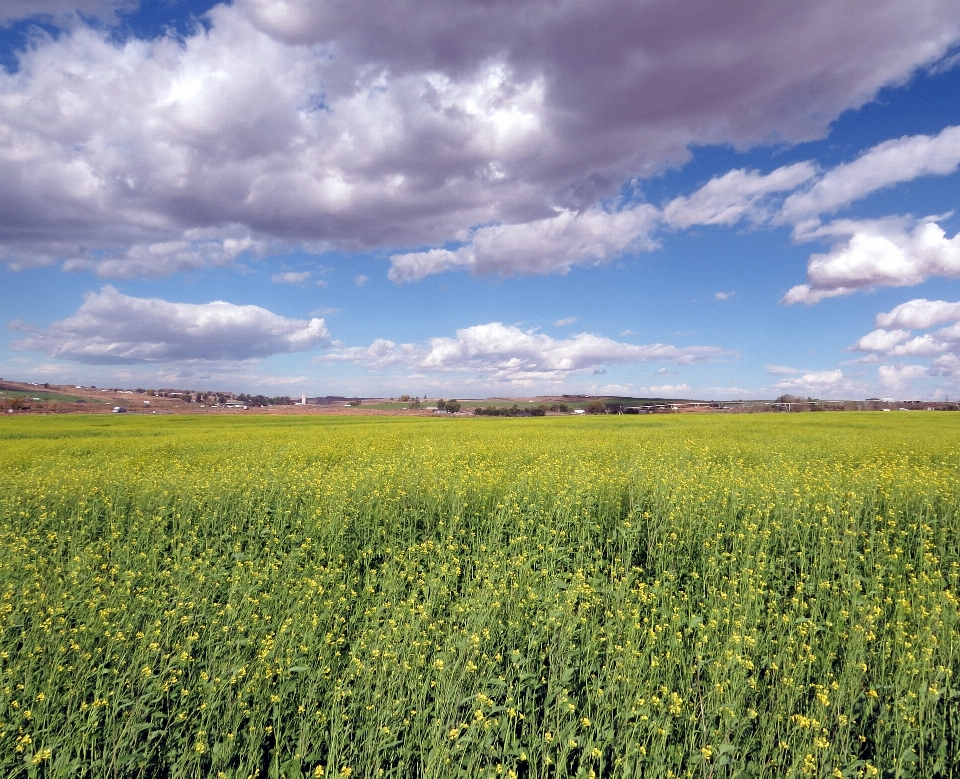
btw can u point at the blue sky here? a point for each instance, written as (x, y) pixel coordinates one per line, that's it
(463, 199)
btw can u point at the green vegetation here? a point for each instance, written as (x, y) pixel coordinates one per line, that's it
(677, 596)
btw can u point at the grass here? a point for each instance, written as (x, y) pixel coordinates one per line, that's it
(754, 596)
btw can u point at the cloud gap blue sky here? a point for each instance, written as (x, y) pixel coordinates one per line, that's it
(471, 199)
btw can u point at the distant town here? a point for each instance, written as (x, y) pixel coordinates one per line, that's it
(33, 398)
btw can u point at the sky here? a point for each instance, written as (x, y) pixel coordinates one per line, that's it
(467, 198)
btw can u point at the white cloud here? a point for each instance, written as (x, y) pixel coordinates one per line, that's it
(358, 125)
(877, 252)
(946, 365)
(943, 345)
(360, 280)
(894, 251)
(926, 345)
(881, 340)
(566, 321)
(724, 295)
(382, 353)
(897, 378)
(191, 250)
(832, 383)
(111, 327)
(727, 199)
(506, 354)
(920, 314)
(899, 343)
(888, 163)
(550, 245)
(290, 277)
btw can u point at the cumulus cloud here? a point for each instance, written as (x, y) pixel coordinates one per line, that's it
(926, 345)
(941, 347)
(898, 343)
(552, 245)
(920, 314)
(897, 378)
(507, 354)
(832, 383)
(727, 199)
(888, 163)
(881, 252)
(111, 327)
(881, 340)
(360, 125)
(894, 251)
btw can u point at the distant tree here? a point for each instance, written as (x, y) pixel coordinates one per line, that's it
(596, 407)
(441, 405)
(453, 406)
(415, 403)
(151, 393)
(404, 398)
(355, 402)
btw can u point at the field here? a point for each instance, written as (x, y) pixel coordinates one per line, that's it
(677, 596)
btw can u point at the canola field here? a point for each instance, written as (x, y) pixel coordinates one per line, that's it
(717, 596)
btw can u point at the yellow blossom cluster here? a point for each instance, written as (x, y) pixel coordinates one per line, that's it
(289, 597)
